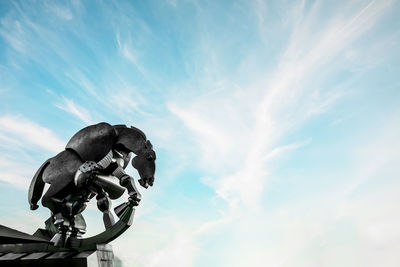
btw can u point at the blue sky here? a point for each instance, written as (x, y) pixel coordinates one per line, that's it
(276, 123)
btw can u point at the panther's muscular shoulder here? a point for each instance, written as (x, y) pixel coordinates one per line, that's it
(93, 142)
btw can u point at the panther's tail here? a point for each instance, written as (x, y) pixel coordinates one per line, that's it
(37, 186)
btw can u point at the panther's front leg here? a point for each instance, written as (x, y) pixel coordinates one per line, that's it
(127, 181)
(86, 177)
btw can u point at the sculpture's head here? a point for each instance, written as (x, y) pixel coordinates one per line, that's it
(134, 140)
(145, 164)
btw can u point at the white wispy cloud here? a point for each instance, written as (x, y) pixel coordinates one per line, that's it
(325, 228)
(20, 138)
(161, 242)
(15, 173)
(205, 129)
(280, 102)
(20, 128)
(249, 135)
(81, 113)
(133, 54)
(115, 95)
(15, 38)
(63, 12)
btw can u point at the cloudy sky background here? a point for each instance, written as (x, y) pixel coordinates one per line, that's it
(276, 124)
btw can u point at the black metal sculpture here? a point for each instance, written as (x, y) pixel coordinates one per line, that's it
(92, 165)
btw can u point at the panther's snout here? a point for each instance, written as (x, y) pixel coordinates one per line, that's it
(146, 182)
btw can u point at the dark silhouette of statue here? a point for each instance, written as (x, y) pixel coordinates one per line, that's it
(92, 165)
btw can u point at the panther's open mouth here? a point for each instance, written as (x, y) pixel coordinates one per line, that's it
(146, 182)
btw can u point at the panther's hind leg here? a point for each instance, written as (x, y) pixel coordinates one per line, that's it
(78, 227)
(61, 218)
(62, 224)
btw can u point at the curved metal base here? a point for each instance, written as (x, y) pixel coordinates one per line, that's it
(43, 244)
(125, 221)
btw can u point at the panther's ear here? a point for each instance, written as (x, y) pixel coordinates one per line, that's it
(149, 145)
(139, 131)
(132, 139)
